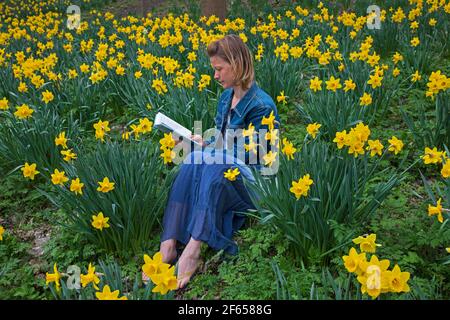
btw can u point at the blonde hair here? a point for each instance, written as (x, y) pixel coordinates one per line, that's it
(234, 51)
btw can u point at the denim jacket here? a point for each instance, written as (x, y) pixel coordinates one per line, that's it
(252, 107)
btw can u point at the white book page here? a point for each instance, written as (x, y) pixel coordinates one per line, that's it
(164, 123)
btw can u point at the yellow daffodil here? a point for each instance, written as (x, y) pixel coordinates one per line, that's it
(396, 145)
(351, 262)
(398, 280)
(106, 294)
(231, 174)
(68, 155)
(375, 147)
(367, 244)
(29, 171)
(251, 146)
(340, 139)
(4, 104)
(152, 266)
(301, 187)
(281, 98)
(99, 221)
(432, 155)
(365, 100)
(53, 277)
(146, 125)
(126, 135)
(395, 72)
(61, 140)
(315, 84)
(59, 177)
(102, 126)
(436, 210)
(76, 186)
(415, 42)
(333, 84)
(248, 132)
(269, 121)
(446, 170)
(416, 76)
(375, 81)
(90, 277)
(105, 185)
(47, 96)
(349, 85)
(373, 279)
(23, 112)
(165, 280)
(167, 141)
(288, 149)
(270, 158)
(272, 136)
(159, 86)
(168, 155)
(313, 129)
(397, 58)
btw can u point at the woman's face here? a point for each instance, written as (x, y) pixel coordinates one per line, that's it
(223, 72)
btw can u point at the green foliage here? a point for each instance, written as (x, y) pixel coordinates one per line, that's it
(432, 129)
(135, 204)
(290, 75)
(266, 267)
(336, 111)
(20, 202)
(327, 287)
(410, 238)
(110, 274)
(67, 249)
(33, 140)
(245, 276)
(17, 278)
(340, 195)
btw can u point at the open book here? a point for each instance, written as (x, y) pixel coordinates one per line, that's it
(166, 124)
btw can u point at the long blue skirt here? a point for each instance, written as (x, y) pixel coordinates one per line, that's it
(206, 206)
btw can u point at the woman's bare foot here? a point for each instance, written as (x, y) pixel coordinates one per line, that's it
(168, 250)
(189, 262)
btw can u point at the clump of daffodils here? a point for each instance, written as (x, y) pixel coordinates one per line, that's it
(301, 187)
(161, 274)
(434, 156)
(357, 138)
(167, 144)
(101, 128)
(373, 274)
(437, 82)
(144, 126)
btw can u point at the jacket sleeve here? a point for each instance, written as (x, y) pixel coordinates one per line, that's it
(256, 115)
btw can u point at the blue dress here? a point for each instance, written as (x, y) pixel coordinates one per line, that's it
(202, 203)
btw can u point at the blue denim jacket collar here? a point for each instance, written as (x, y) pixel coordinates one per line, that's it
(242, 104)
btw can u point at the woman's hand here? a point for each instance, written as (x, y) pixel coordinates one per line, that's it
(197, 138)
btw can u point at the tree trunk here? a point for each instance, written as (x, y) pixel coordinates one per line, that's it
(145, 7)
(214, 7)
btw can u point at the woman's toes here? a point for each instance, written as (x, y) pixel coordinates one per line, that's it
(144, 277)
(186, 269)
